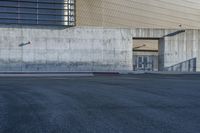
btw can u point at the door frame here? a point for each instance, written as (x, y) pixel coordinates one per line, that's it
(160, 50)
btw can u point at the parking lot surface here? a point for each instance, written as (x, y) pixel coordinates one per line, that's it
(100, 104)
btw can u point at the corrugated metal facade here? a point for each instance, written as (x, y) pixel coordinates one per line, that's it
(139, 13)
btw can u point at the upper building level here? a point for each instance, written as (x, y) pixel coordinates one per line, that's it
(139, 13)
(38, 12)
(167, 14)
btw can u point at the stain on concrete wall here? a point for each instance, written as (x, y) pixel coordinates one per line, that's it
(174, 49)
(87, 48)
(73, 49)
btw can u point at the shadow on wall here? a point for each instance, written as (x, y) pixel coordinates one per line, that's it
(24, 44)
(186, 66)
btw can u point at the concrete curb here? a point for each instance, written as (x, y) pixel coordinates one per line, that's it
(45, 74)
(57, 74)
(174, 73)
(87, 74)
(160, 73)
(105, 73)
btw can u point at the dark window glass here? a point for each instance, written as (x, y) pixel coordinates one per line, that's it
(45, 12)
(7, 21)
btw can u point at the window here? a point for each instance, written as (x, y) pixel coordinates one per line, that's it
(39, 12)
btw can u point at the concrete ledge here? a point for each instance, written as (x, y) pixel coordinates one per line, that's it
(88, 74)
(46, 74)
(164, 73)
(56, 74)
(105, 73)
(132, 72)
(174, 73)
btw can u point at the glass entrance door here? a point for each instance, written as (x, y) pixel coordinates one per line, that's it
(144, 63)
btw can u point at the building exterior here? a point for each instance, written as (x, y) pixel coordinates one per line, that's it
(99, 35)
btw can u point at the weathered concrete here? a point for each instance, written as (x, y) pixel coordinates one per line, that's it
(26, 48)
(182, 47)
(174, 49)
(56, 49)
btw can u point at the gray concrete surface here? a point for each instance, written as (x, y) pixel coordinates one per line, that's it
(88, 48)
(101, 104)
(46, 75)
(174, 49)
(64, 49)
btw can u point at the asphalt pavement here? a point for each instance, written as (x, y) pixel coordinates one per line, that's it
(145, 103)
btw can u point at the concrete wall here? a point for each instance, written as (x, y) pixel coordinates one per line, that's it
(182, 47)
(57, 49)
(174, 49)
(88, 48)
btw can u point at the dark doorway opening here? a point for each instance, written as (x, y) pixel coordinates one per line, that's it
(145, 54)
